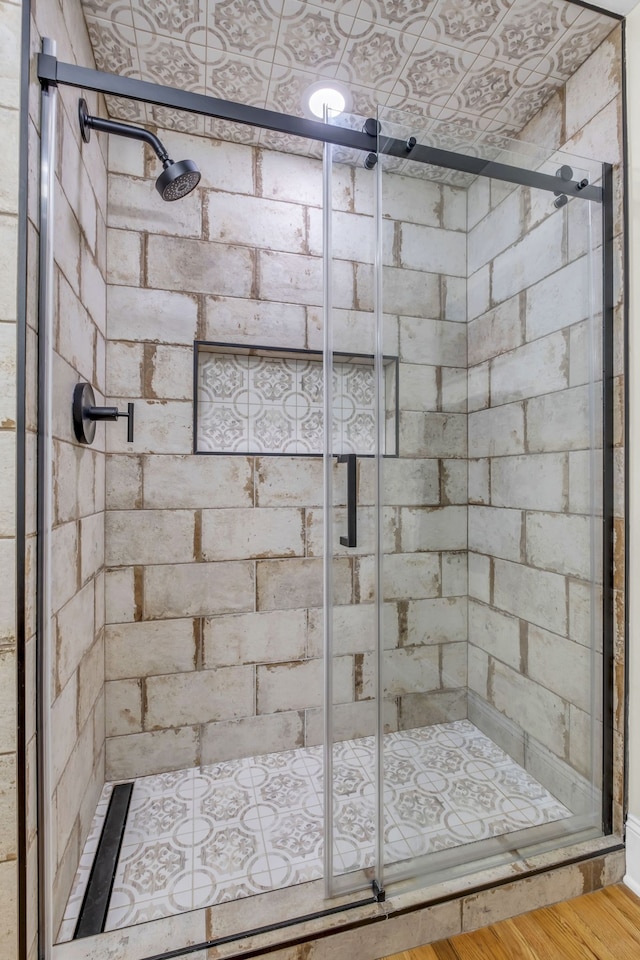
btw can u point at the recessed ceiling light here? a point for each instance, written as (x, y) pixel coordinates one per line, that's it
(324, 94)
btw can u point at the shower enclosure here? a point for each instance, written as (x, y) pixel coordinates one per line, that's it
(356, 629)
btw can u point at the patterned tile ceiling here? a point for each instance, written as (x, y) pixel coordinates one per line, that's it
(477, 66)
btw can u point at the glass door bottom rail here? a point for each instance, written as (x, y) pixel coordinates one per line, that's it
(233, 829)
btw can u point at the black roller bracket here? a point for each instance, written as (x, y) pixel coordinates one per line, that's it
(583, 183)
(378, 892)
(561, 201)
(371, 127)
(411, 142)
(86, 414)
(370, 161)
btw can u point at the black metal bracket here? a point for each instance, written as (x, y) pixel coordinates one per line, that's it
(53, 71)
(378, 892)
(86, 414)
(351, 539)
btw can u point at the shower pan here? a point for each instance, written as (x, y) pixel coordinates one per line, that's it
(334, 677)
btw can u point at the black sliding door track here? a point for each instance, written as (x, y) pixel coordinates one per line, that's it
(53, 71)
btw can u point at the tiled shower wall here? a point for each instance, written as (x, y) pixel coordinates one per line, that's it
(529, 529)
(214, 580)
(77, 590)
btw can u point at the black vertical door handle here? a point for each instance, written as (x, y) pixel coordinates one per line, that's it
(351, 538)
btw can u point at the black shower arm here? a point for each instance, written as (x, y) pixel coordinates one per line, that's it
(126, 130)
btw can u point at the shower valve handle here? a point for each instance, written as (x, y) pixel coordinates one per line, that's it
(86, 414)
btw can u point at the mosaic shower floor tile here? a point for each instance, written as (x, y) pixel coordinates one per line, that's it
(228, 830)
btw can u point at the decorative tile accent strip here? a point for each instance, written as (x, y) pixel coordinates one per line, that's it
(229, 830)
(273, 404)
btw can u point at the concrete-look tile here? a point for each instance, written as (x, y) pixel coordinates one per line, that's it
(168, 372)
(9, 906)
(478, 295)
(126, 156)
(288, 584)
(200, 697)
(121, 603)
(299, 684)
(454, 299)
(256, 222)
(417, 201)
(409, 482)
(559, 300)
(478, 387)
(499, 229)
(560, 543)
(496, 331)
(441, 620)
(349, 720)
(411, 670)
(560, 665)
(411, 576)
(537, 255)
(65, 730)
(7, 483)
(531, 594)
(495, 633)
(123, 701)
(477, 679)
(292, 178)
(8, 348)
(254, 532)
(418, 388)
(497, 432)
(366, 539)
(289, 278)
(441, 706)
(7, 701)
(533, 481)
(454, 666)
(410, 293)
(272, 324)
(599, 139)
(161, 426)
(125, 363)
(509, 900)
(289, 482)
(91, 545)
(454, 389)
(254, 638)
(433, 528)
(187, 481)
(433, 250)
(123, 482)
(454, 481)
(536, 368)
(124, 257)
(231, 739)
(8, 809)
(147, 648)
(582, 596)
(479, 577)
(496, 532)
(134, 206)
(434, 342)
(90, 681)
(433, 434)
(478, 201)
(198, 589)
(64, 549)
(75, 333)
(174, 263)
(353, 236)
(535, 709)
(479, 481)
(454, 574)
(585, 353)
(141, 754)
(149, 536)
(353, 628)
(156, 316)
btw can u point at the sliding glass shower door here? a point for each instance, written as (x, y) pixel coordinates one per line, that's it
(464, 486)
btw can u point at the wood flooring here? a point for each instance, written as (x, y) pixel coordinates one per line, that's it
(597, 926)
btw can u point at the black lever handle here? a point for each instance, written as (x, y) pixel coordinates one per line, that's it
(351, 539)
(85, 414)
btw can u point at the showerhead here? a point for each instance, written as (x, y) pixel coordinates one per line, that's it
(177, 179)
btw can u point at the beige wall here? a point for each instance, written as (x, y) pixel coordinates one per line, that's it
(214, 580)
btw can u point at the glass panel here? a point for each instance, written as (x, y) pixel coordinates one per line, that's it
(350, 496)
(491, 571)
